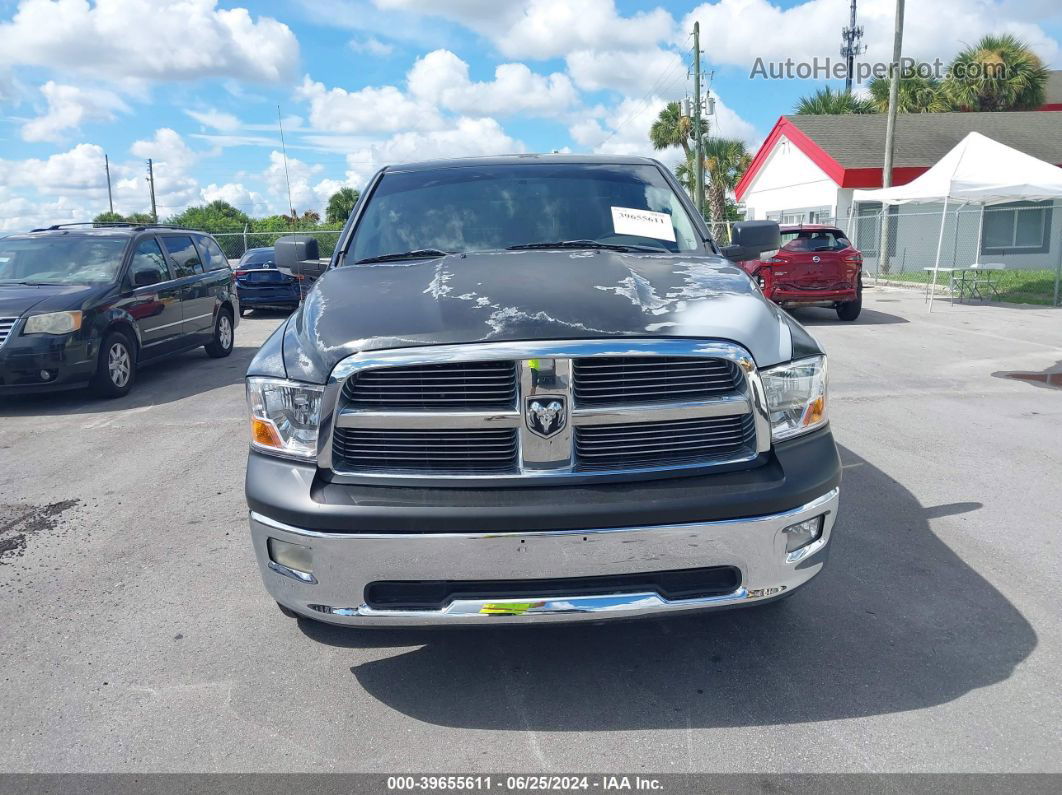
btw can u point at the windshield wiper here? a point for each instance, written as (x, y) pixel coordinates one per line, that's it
(26, 283)
(417, 253)
(588, 244)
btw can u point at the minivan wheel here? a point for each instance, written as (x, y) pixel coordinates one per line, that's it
(849, 310)
(116, 369)
(221, 345)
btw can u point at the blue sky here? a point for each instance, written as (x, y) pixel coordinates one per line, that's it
(196, 85)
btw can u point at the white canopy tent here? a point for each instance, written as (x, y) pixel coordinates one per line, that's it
(978, 170)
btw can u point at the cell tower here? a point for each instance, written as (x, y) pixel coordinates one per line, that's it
(850, 47)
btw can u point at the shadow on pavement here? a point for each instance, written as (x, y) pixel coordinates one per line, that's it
(822, 316)
(896, 622)
(167, 380)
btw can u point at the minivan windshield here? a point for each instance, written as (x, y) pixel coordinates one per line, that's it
(477, 208)
(61, 259)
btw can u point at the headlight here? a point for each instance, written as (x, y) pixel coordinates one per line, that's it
(53, 323)
(796, 396)
(285, 416)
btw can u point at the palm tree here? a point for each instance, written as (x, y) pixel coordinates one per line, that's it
(997, 73)
(671, 128)
(916, 94)
(340, 205)
(685, 175)
(725, 160)
(827, 102)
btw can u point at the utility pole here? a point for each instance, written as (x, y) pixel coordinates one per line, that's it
(698, 167)
(151, 182)
(850, 47)
(107, 168)
(890, 135)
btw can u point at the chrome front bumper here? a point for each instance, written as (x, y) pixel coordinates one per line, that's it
(344, 564)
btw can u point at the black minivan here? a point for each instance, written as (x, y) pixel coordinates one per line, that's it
(85, 305)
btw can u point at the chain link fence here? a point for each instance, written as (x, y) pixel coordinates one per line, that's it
(235, 244)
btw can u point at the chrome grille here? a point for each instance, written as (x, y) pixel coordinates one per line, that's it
(624, 407)
(613, 380)
(452, 387)
(6, 324)
(426, 452)
(655, 444)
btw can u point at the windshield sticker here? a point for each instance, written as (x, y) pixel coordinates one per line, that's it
(642, 223)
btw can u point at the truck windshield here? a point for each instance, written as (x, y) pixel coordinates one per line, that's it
(61, 260)
(477, 208)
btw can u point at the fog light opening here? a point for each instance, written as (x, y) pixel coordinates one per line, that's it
(293, 560)
(801, 535)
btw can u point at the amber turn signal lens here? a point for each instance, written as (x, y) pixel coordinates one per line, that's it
(815, 412)
(265, 433)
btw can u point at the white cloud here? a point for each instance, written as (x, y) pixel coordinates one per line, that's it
(251, 202)
(549, 28)
(309, 190)
(818, 23)
(370, 45)
(68, 108)
(215, 119)
(441, 78)
(137, 40)
(468, 137)
(629, 71)
(370, 109)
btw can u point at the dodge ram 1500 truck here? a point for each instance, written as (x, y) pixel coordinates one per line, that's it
(532, 388)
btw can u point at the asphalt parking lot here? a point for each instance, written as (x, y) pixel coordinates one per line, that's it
(135, 634)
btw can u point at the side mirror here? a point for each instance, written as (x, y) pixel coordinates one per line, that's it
(751, 238)
(290, 250)
(146, 277)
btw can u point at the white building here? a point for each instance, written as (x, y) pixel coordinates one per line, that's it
(808, 166)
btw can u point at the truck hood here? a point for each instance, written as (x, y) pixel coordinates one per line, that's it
(529, 295)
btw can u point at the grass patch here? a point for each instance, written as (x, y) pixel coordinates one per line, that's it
(1015, 286)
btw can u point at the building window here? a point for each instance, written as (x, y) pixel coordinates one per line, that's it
(1017, 228)
(807, 215)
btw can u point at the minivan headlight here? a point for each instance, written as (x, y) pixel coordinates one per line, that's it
(796, 396)
(285, 416)
(53, 323)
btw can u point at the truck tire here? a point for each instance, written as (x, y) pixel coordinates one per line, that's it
(116, 369)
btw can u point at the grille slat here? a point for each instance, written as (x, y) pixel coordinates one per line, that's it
(426, 452)
(6, 324)
(472, 385)
(671, 443)
(615, 380)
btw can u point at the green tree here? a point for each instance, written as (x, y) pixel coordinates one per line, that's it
(340, 205)
(916, 94)
(827, 102)
(140, 218)
(725, 160)
(218, 216)
(997, 73)
(671, 128)
(109, 218)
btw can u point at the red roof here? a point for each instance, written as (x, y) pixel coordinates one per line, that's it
(844, 177)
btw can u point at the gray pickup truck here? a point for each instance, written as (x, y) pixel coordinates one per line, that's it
(532, 388)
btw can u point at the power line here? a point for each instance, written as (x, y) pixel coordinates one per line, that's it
(661, 80)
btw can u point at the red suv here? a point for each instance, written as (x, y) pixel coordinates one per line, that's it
(816, 266)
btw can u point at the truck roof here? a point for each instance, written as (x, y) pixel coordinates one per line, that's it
(519, 159)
